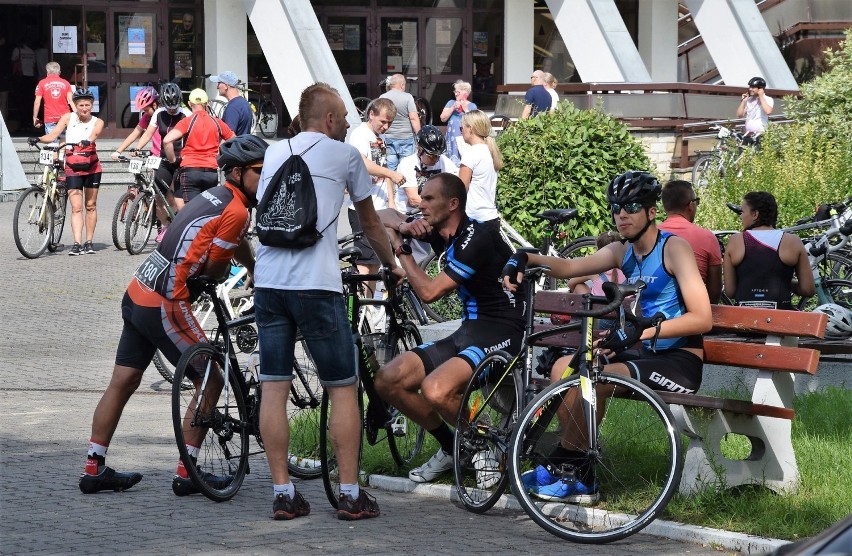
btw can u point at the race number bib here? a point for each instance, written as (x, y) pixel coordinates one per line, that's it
(45, 157)
(153, 162)
(135, 166)
(151, 269)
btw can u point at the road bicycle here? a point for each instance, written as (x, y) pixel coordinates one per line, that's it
(375, 347)
(449, 307)
(226, 405)
(631, 452)
(263, 110)
(40, 211)
(142, 214)
(726, 153)
(122, 207)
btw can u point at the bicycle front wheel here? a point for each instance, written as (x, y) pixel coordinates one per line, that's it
(630, 473)
(219, 419)
(303, 414)
(139, 223)
(267, 119)
(328, 457)
(488, 411)
(405, 437)
(33, 223)
(119, 219)
(361, 105)
(448, 307)
(215, 107)
(60, 203)
(701, 170)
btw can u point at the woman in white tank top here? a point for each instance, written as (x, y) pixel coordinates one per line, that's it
(82, 167)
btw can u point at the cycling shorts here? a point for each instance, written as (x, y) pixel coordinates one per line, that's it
(85, 180)
(171, 328)
(165, 175)
(472, 342)
(190, 182)
(674, 370)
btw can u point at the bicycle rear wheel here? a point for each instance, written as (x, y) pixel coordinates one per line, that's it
(222, 460)
(480, 451)
(424, 110)
(580, 247)
(702, 169)
(215, 107)
(119, 218)
(33, 227)
(405, 437)
(267, 119)
(328, 458)
(303, 414)
(448, 307)
(636, 463)
(139, 223)
(362, 104)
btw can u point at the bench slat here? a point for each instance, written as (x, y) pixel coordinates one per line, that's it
(736, 406)
(778, 323)
(761, 356)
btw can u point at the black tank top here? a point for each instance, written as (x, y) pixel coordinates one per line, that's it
(166, 122)
(763, 279)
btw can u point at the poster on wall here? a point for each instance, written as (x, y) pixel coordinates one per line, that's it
(409, 45)
(352, 37)
(96, 106)
(64, 40)
(136, 41)
(335, 36)
(183, 64)
(480, 43)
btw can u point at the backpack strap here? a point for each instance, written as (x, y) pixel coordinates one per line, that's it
(290, 146)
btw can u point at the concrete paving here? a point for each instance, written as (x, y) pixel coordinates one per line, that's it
(58, 334)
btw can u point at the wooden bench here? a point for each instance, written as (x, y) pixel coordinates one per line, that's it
(706, 420)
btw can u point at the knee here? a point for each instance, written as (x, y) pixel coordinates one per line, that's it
(433, 391)
(559, 368)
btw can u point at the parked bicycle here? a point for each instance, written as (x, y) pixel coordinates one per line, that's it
(264, 112)
(140, 218)
(227, 407)
(122, 207)
(375, 347)
(726, 154)
(40, 211)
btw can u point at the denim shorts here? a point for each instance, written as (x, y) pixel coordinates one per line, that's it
(320, 317)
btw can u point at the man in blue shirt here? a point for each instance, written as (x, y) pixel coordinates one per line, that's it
(537, 98)
(237, 114)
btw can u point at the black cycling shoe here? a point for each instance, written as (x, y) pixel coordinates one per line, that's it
(108, 479)
(185, 487)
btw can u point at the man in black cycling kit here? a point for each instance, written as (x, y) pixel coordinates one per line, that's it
(426, 383)
(156, 308)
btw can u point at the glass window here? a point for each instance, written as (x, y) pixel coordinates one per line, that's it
(135, 43)
(550, 53)
(185, 50)
(422, 3)
(68, 17)
(487, 57)
(347, 37)
(364, 3)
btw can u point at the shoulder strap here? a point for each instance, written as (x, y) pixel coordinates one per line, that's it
(290, 146)
(189, 129)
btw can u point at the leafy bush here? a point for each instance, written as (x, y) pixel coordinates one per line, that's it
(560, 160)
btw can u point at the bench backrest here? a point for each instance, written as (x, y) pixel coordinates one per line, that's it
(771, 323)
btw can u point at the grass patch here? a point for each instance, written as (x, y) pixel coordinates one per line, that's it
(822, 441)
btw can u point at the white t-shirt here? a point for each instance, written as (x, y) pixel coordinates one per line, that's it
(416, 175)
(756, 119)
(482, 192)
(335, 168)
(554, 98)
(371, 146)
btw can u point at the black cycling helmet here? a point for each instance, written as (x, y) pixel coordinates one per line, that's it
(240, 151)
(634, 187)
(431, 140)
(757, 82)
(170, 95)
(81, 93)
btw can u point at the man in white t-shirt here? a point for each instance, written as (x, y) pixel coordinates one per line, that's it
(755, 106)
(366, 138)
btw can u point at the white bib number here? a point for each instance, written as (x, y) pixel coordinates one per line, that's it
(45, 157)
(151, 269)
(153, 162)
(135, 166)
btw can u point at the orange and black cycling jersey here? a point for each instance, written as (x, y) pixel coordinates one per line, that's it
(210, 227)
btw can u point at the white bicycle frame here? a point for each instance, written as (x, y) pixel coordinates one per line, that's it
(223, 290)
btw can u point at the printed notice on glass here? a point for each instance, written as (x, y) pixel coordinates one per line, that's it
(335, 36)
(136, 41)
(409, 45)
(352, 37)
(64, 40)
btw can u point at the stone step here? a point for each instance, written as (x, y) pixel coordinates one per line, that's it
(114, 173)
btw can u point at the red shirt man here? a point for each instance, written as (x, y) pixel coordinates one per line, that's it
(56, 92)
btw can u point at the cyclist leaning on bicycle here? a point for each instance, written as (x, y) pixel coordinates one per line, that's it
(156, 306)
(426, 383)
(671, 357)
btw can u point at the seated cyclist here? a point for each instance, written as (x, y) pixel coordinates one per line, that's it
(156, 308)
(671, 357)
(426, 383)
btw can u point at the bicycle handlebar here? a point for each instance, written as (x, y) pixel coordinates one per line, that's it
(614, 295)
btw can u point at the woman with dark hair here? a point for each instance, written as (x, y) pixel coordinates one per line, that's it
(760, 262)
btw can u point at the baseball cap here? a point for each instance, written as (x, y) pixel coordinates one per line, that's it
(227, 77)
(197, 96)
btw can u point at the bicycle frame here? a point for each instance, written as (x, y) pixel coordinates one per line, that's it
(49, 181)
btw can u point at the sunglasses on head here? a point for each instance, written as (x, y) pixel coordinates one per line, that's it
(630, 208)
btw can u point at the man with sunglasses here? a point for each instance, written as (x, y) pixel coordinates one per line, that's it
(681, 204)
(671, 356)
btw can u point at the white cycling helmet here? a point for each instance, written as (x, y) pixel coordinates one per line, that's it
(839, 325)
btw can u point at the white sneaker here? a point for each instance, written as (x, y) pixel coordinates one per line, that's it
(437, 465)
(487, 468)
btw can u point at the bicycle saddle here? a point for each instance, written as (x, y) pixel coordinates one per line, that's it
(349, 252)
(558, 216)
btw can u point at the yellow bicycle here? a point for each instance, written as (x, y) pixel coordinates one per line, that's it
(40, 212)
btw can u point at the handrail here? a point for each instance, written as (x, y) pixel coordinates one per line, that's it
(667, 87)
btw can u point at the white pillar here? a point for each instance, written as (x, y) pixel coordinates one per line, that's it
(658, 38)
(226, 40)
(518, 23)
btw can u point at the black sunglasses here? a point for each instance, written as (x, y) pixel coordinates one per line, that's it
(630, 208)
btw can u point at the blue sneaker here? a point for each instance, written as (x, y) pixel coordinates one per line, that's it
(538, 477)
(568, 489)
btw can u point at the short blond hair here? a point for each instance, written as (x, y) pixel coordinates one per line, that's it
(463, 86)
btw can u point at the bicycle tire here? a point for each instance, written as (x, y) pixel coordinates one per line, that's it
(224, 450)
(487, 414)
(638, 464)
(701, 170)
(216, 107)
(362, 105)
(328, 459)
(141, 221)
(405, 437)
(119, 218)
(32, 231)
(580, 247)
(424, 110)
(413, 307)
(267, 119)
(839, 291)
(60, 205)
(129, 118)
(448, 307)
(303, 414)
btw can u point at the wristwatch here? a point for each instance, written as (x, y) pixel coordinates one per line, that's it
(402, 249)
